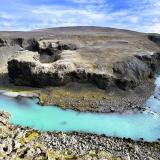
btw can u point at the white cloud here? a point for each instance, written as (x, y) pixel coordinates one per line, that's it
(6, 24)
(154, 28)
(5, 15)
(90, 1)
(141, 15)
(71, 13)
(134, 19)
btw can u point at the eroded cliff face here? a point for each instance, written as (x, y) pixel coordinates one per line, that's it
(155, 38)
(126, 74)
(107, 58)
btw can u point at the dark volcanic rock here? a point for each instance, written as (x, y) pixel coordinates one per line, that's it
(126, 74)
(155, 38)
(3, 43)
(134, 71)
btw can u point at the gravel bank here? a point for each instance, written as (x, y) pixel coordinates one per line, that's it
(25, 143)
(85, 98)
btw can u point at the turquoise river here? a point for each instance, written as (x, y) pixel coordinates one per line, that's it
(26, 112)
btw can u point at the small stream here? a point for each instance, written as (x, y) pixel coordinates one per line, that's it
(26, 112)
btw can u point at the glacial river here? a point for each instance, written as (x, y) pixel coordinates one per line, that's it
(26, 112)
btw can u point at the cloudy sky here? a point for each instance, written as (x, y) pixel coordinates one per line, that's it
(139, 15)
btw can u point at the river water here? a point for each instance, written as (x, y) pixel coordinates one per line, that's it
(26, 112)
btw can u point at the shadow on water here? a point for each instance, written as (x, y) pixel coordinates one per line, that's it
(63, 123)
(22, 102)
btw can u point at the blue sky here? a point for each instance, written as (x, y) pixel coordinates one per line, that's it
(140, 15)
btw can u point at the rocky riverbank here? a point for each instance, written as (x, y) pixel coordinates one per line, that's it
(25, 143)
(111, 69)
(86, 97)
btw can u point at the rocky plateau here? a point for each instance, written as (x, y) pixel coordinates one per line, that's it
(107, 58)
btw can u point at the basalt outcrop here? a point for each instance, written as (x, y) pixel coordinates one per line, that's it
(107, 58)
